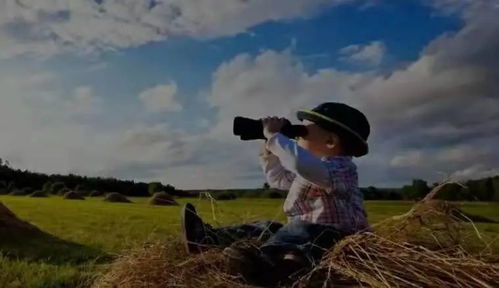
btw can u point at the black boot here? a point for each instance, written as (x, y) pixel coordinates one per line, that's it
(255, 267)
(193, 229)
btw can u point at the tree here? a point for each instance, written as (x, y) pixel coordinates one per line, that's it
(481, 190)
(495, 187)
(407, 192)
(420, 188)
(370, 193)
(154, 187)
(56, 187)
(266, 186)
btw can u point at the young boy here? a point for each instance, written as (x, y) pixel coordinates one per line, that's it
(324, 203)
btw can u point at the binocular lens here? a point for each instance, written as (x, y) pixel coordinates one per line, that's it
(250, 129)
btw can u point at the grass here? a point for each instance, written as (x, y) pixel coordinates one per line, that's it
(92, 231)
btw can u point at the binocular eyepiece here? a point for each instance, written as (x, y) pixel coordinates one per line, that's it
(250, 129)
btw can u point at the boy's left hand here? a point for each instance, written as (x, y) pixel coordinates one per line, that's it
(272, 125)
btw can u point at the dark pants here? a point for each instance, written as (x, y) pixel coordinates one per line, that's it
(309, 239)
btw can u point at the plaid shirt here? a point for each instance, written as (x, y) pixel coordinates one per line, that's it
(321, 191)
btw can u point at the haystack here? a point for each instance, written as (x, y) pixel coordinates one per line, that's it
(96, 193)
(422, 248)
(162, 198)
(11, 226)
(374, 261)
(72, 195)
(116, 197)
(166, 264)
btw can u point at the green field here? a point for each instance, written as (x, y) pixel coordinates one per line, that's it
(95, 231)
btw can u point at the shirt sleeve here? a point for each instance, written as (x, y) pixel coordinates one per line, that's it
(299, 161)
(277, 176)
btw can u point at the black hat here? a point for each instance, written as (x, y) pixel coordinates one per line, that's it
(343, 119)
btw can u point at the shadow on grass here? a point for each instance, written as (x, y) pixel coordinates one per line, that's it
(41, 246)
(21, 240)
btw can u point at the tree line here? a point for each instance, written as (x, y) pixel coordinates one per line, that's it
(24, 182)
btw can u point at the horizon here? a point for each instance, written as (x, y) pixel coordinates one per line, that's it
(147, 90)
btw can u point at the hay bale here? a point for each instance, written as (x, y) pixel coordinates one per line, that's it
(84, 193)
(116, 198)
(38, 194)
(165, 264)
(72, 195)
(434, 224)
(63, 191)
(96, 193)
(163, 199)
(378, 262)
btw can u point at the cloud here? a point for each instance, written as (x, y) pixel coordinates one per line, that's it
(46, 27)
(161, 98)
(473, 172)
(413, 158)
(83, 101)
(436, 117)
(43, 129)
(371, 54)
(430, 118)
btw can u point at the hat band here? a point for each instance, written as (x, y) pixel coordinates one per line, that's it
(331, 120)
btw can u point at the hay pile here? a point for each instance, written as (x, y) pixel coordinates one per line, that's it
(435, 225)
(162, 198)
(116, 197)
(377, 262)
(96, 193)
(422, 248)
(167, 265)
(72, 195)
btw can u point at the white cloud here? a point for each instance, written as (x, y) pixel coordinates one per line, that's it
(473, 172)
(371, 54)
(412, 158)
(438, 114)
(45, 27)
(161, 98)
(42, 130)
(83, 101)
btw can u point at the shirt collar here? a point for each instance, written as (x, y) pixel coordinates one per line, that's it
(336, 158)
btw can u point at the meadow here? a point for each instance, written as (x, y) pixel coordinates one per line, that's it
(93, 232)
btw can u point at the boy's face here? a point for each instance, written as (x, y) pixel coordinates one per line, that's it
(317, 140)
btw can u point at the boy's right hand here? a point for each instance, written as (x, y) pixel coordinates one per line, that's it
(272, 125)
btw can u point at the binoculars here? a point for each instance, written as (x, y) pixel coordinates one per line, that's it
(250, 129)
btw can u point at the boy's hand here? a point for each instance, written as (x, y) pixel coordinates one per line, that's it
(272, 125)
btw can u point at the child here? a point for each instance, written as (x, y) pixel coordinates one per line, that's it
(324, 203)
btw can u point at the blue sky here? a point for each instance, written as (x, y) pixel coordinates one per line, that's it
(147, 92)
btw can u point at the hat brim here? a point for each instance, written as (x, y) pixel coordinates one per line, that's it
(360, 146)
